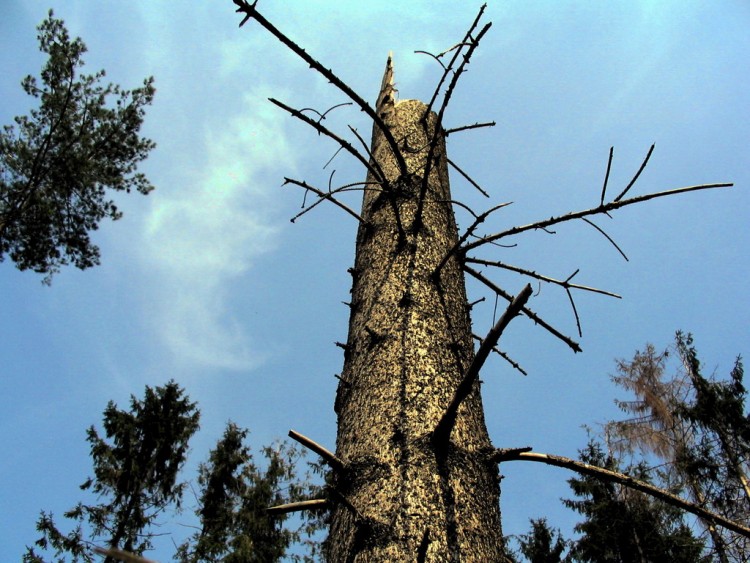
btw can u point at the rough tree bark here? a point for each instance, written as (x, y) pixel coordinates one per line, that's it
(406, 495)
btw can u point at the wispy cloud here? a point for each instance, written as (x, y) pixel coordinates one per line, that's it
(202, 235)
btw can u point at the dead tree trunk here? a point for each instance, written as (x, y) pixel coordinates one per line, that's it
(406, 495)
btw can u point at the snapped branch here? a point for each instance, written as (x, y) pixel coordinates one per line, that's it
(314, 504)
(445, 426)
(330, 458)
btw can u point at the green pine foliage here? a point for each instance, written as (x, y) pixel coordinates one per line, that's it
(60, 164)
(543, 544)
(235, 526)
(136, 484)
(622, 525)
(135, 477)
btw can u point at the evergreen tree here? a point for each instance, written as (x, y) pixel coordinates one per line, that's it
(698, 429)
(235, 495)
(135, 476)
(59, 165)
(622, 525)
(543, 544)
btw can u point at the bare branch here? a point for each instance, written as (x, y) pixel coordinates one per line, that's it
(643, 165)
(323, 195)
(575, 312)
(436, 57)
(314, 504)
(609, 238)
(447, 69)
(563, 283)
(447, 421)
(593, 211)
(627, 481)
(439, 122)
(526, 311)
(250, 12)
(467, 177)
(374, 161)
(330, 458)
(503, 355)
(606, 176)
(346, 145)
(479, 220)
(465, 127)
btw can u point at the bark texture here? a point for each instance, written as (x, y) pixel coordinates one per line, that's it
(402, 495)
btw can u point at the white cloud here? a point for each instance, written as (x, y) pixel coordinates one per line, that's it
(203, 234)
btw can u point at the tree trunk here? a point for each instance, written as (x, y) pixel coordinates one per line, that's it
(404, 495)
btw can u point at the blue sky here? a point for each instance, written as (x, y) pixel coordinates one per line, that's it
(206, 281)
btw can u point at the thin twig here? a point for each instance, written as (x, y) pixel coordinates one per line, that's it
(575, 312)
(643, 165)
(563, 283)
(447, 421)
(625, 480)
(502, 354)
(322, 195)
(449, 67)
(606, 176)
(346, 145)
(438, 131)
(593, 211)
(526, 311)
(477, 221)
(467, 177)
(609, 238)
(251, 12)
(465, 127)
(374, 161)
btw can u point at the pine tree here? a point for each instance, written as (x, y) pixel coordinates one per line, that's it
(235, 525)
(59, 165)
(543, 544)
(624, 526)
(135, 477)
(698, 429)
